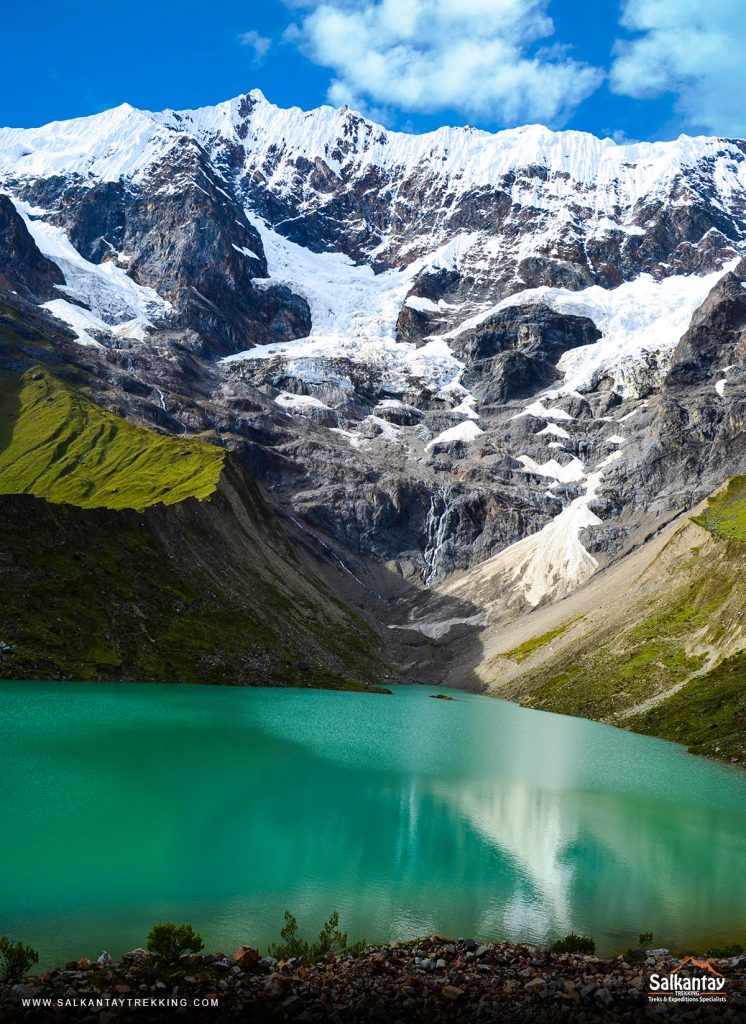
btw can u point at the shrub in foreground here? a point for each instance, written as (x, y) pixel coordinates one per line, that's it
(16, 960)
(167, 942)
(573, 943)
(330, 940)
(722, 952)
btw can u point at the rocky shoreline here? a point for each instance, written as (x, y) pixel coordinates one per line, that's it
(431, 980)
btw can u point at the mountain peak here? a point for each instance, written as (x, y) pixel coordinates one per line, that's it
(123, 141)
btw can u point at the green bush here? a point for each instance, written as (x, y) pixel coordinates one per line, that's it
(16, 959)
(646, 940)
(722, 952)
(330, 941)
(573, 943)
(167, 942)
(634, 956)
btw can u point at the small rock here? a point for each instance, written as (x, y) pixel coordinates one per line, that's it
(19, 992)
(246, 957)
(536, 985)
(451, 992)
(293, 1006)
(277, 984)
(135, 955)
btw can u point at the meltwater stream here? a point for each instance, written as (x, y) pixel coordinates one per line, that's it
(126, 805)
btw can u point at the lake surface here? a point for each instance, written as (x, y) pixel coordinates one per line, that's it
(125, 805)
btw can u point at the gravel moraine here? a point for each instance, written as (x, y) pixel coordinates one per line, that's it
(432, 980)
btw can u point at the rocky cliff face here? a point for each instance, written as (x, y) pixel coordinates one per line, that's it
(23, 269)
(479, 365)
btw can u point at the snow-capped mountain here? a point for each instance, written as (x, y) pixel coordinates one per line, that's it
(508, 355)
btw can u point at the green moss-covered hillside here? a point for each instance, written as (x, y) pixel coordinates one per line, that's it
(127, 554)
(725, 514)
(163, 596)
(708, 714)
(59, 445)
(661, 650)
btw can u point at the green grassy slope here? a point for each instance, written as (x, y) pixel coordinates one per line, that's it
(725, 514)
(524, 651)
(126, 554)
(708, 715)
(667, 653)
(646, 658)
(58, 445)
(101, 594)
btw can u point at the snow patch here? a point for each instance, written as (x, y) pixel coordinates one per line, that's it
(552, 428)
(353, 439)
(287, 400)
(354, 313)
(466, 408)
(721, 384)
(539, 410)
(466, 431)
(245, 251)
(421, 304)
(571, 473)
(641, 322)
(116, 305)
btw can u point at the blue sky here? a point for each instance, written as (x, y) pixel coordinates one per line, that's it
(633, 69)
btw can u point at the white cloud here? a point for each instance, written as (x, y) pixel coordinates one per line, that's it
(259, 44)
(691, 48)
(472, 56)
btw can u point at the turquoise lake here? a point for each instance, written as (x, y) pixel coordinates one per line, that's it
(126, 805)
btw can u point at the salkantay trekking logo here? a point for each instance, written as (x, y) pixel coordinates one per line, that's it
(693, 981)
